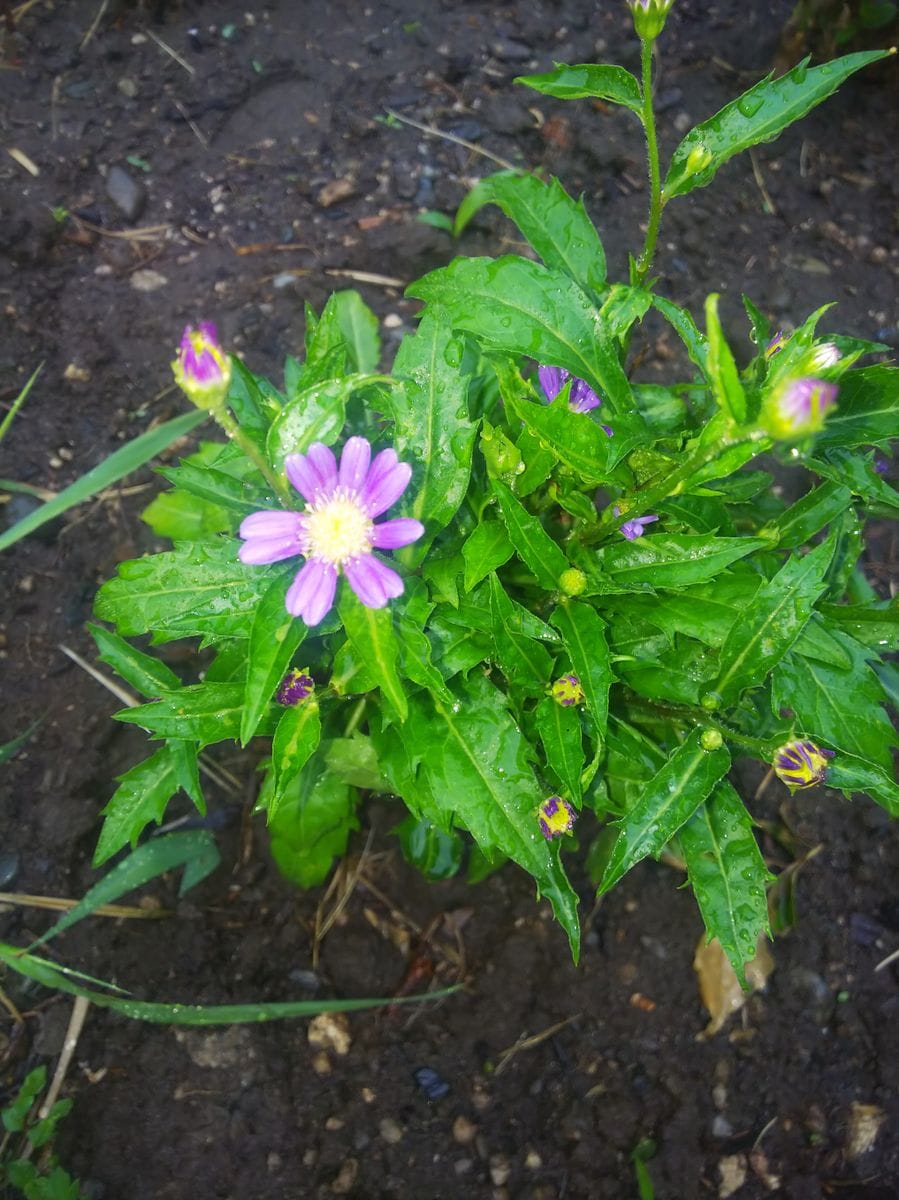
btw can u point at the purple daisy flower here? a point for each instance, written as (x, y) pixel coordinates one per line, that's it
(636, 526)
(335, 532)
(581, 398)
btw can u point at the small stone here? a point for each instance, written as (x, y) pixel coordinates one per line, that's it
(500, 1169)
(878, 255)
(393, 321)
(346, 1178)
(218, 1051)
(274, 1162)
(462, 1166)
(865, 1121)
(721, 1127)
(10, 864)
(368, 1095)
(508, 50)
(391, 1131)
(335, 191)
(147, 280)
(321, 1064)
(682, 122)
(533, 1161)
(334, 1124)
(330, 1031)
(75, 374)
(26, 584)
(128, 86)
(127, 194)
(732, 1170)
(464, 1131)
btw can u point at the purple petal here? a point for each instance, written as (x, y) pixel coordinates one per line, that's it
(303, 476)
(607, 430)
(385, 488)
(259, 550)
(372, 581)
(399, 532)
(325, 465)
(552, 380)
(311, 594)
(270, 523)
(582, 397)
(635, 528)
(354, 463)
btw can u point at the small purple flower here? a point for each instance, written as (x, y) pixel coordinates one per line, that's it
(634, 528)
(295, 687)
(581, 398)
(801, 764)
(556, 816)
(881, 465)
(799, 408)
(336, 531)
(202, 369)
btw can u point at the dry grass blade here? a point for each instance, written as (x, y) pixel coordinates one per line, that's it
(172, 53)
(148, 233)
(61, 904)
(433, 131)
(95, 24)
(528, 1043)
(343, 881)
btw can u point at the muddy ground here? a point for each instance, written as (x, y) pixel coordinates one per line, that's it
(263, 175)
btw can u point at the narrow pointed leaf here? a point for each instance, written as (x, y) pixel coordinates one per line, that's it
(532, 543)
(525, 662)
(486, 548)
(584, 637)
(867, 409)
(670, 560)
(370, 631)
(599, 81)
(141, 797)
(726, 385)
(559, 729)
(204, 712)
(143, 672)
(315, 414)
(275, 637)
(809, 515)
(359, 326)
(296, 739)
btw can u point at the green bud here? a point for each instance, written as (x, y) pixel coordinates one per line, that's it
(649, 17)
(573, 582)
(711, 739)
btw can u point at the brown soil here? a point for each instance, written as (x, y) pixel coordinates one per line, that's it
(241, 134)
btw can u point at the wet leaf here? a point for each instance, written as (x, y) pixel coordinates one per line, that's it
(370, 630)
(525, 662)
(726, 385)
(359, 327)
(312, 823)
(584, 637)
(532, 543)
(670, 560)
(559, 730)
(598, 81)
(142, 796)
(808, 515)
(430, 849)
(204, 713)
(317, 413)
(296, 739)
(275, 636)
(719, 987)
(487, 548)
(867, 411)
(143, 672)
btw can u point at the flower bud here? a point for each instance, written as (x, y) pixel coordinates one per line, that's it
(567, 691)
(556, 816)
(573, 582)
(295, 687)
(798, 407)
(711, 739)
(202, 369)
(649, 17)
(801, 764)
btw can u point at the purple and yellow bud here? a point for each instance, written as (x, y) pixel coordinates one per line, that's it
(798, 408)
(801, 764)
(202, 369)
(776, 344)
(296, 687)
(567, 691)
(649, 17)
(556, 817)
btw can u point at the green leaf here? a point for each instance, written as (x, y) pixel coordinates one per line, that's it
(522, 307)
(119, 464)
(204, 712)
(559, 729)
(433, 851)
(354, 761)
(875, 625)
(311, 825)
(598, 81)
(584, 638)
(556, 226)
(141, 797)
(853, 775)
(726, 384)
(187, 771)
(808, 515)
(532, 543)
(759, 115)
(670, 560)
(667, 802)
(370, 630)
(433, 427)
(275, 636)
(415, 656)
(525, 663)
(315, 414)
(685, 327)
(143, 672)
(199, 588)
(254, 401)
(622, 307)
(632, 758)
(195, 850)
(221, 490)
(180, 517)
(842, 708)
(727, 874)
(486, 548)
(856, 474)
(296, 739)
(772, 622)
(471, 762)
(359, 326)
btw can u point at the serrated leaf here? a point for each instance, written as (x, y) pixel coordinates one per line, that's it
(433, 426)
(199, 588)
(141, 797)
(143, 672)
(359, 326)
(843, 708)
(370, 630)
(875, 624)
(855, 473)
(187, 771)
(599, 81)
(666, 803)
(487, 547)
(728, 875)
(853, 775)
(683, 324)
(726, 385)
(415, 657)
(559, 730)
(632, 759)
(218, 488)
(556, 226)
(525, 662)
(808, 515)
(532, 543)
(296, 739)
(204, 713)
(584, 638)
(669, 560)
(253, 401)
(312, 824)
(771, 623)
(180, 517)
(522, 307)
(275, 636)
(760, 115)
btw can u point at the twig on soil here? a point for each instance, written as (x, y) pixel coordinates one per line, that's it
(452, 137)
(168, 49)
(763, 786)
(76, 1024)
(349, 881)
(885, 962)
(11, 1008)
(95, 24)
(194, 128)
(340, 272)
(366, 277)
(528, 1043)
(767, 203)
(149, 233)
(63, 904)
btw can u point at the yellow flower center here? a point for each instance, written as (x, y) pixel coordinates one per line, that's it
(337, 529)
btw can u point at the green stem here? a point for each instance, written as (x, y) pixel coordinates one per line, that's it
(254, 454)
(644, 262)
(699, 717)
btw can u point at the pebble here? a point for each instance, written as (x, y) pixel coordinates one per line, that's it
(732, 1170)
(321, 1064)
(464, 1131)
(10, 865)
(335, 191)
(508, 50)
(462, 1166)
(334, 1124)
(865, 1121)
(391, 1131)
(75, 374)
(500, 1170)
(721, 1127)
(433, 1085)
(330, 1031)
(533, 1161)
(127, 194)
(127, 86)
(148, 280)
(346, 1178)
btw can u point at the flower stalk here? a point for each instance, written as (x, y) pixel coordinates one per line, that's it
(644, 262)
